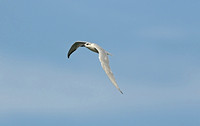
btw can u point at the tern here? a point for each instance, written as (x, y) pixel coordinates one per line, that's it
(103, 57)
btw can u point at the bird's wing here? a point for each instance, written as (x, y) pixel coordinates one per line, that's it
(105, 65)
(74, 47)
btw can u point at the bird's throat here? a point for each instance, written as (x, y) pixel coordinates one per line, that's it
(93, 49)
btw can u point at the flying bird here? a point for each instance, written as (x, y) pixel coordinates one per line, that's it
(103, 57)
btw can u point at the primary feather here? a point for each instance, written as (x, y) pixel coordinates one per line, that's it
(74, 47)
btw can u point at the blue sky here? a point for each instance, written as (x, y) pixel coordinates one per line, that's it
(155, 47)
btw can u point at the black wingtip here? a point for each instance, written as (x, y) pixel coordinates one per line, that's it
(68, 55)
(121, 91)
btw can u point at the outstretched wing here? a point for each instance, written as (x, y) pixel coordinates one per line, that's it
(74, 47)
(105, 65)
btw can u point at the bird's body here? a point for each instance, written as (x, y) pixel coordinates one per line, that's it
(102, 57)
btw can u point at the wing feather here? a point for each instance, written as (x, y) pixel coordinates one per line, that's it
(74, 47)
(103, 57)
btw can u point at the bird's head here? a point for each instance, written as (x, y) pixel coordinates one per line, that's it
(88, 44)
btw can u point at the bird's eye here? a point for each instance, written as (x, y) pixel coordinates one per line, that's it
(87, 43)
